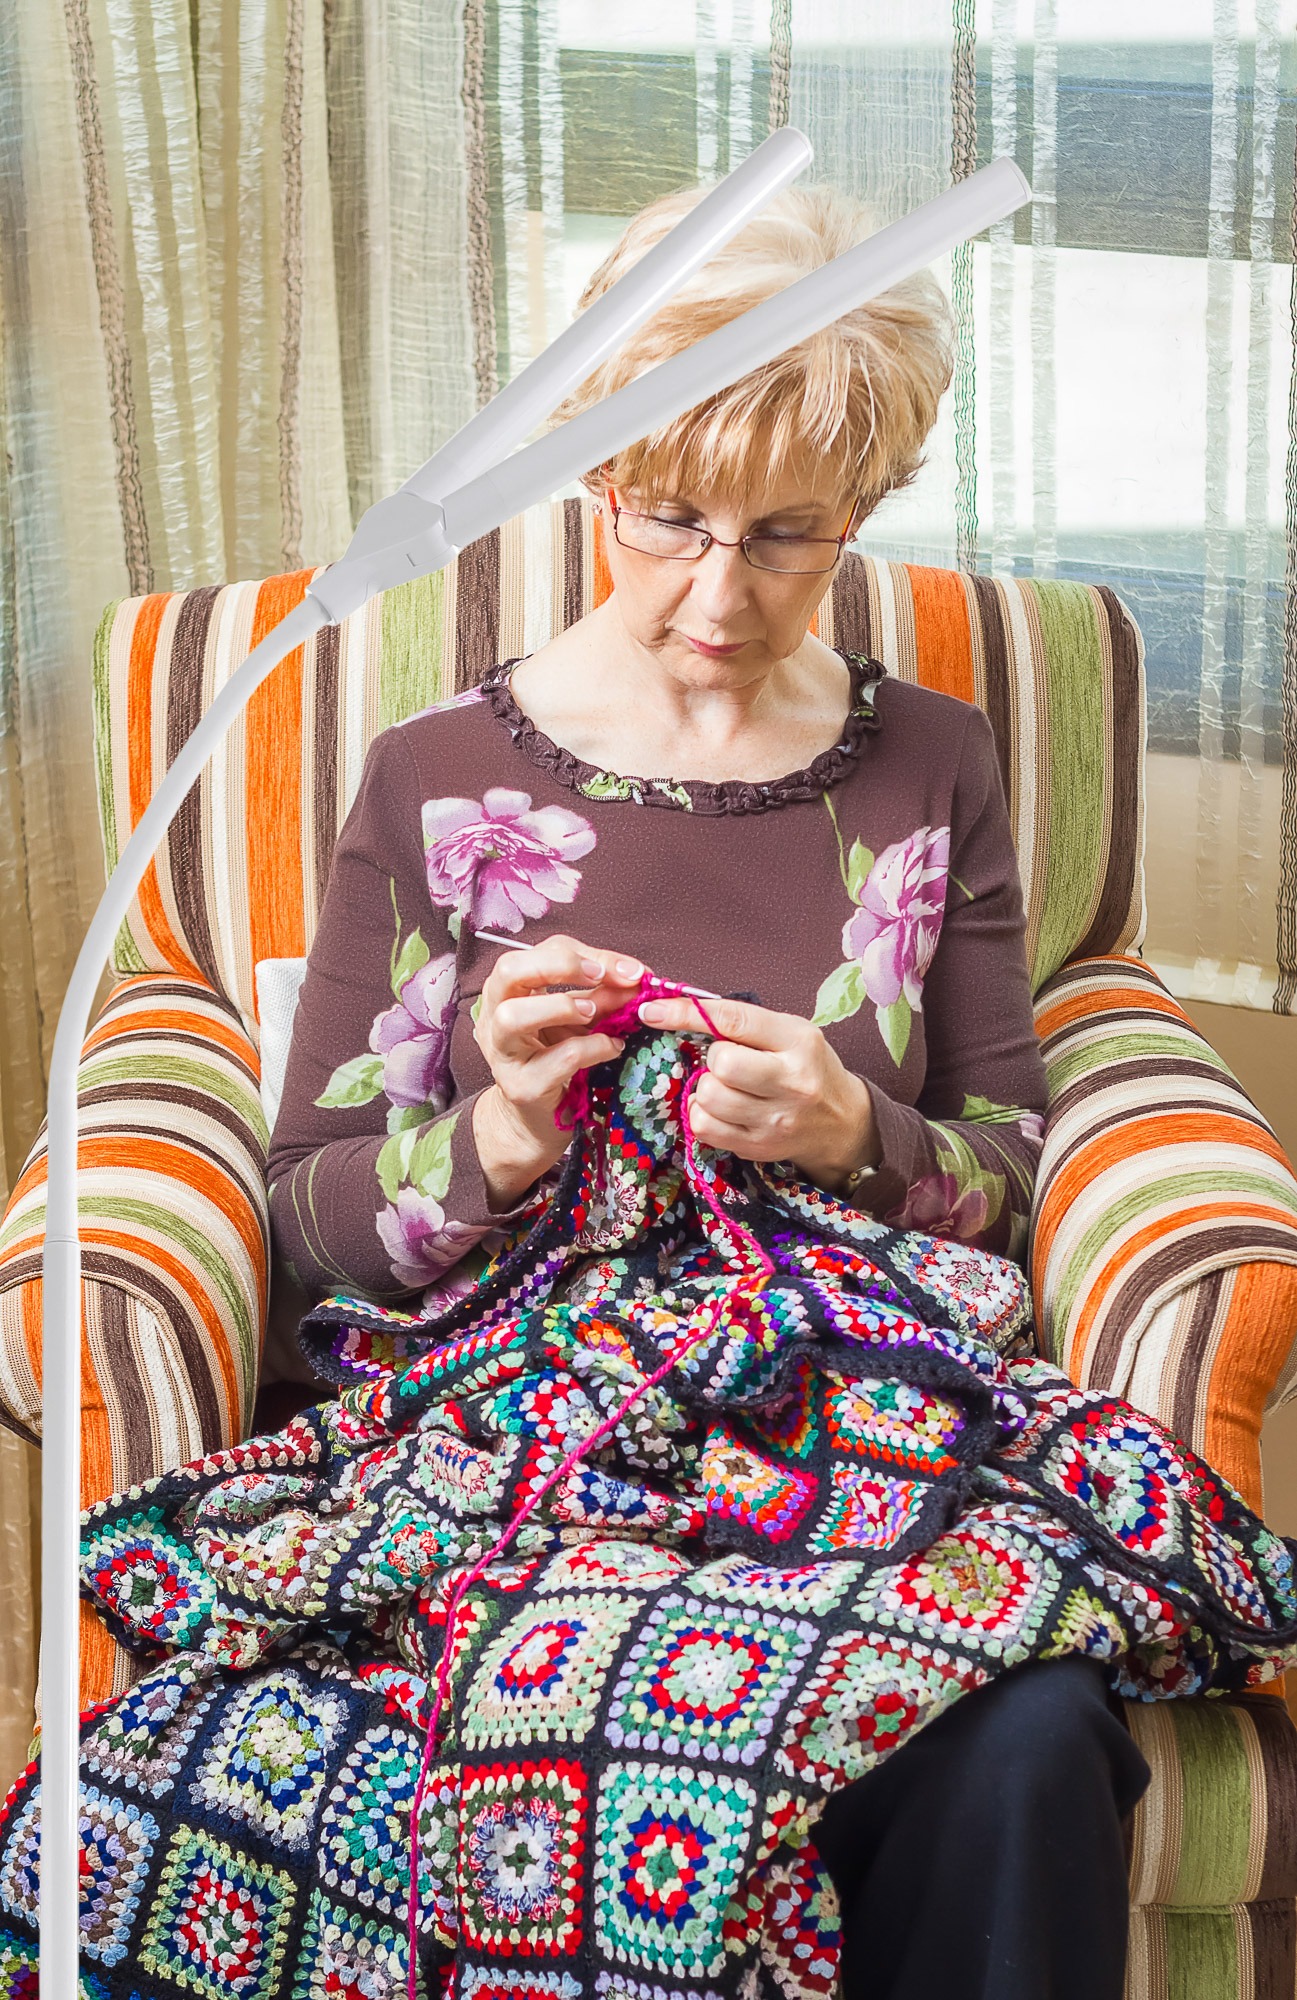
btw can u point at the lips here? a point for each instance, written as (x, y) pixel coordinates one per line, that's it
(716, 652)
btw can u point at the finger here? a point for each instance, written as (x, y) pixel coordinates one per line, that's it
(553, 1069)
(517, 1023)
(753, 1073)
(733, 1107)
(734, 1020)
(558, 961)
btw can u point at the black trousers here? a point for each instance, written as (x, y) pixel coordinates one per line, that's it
(985, 1859)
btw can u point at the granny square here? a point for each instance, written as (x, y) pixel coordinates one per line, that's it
(983, 1585)
(20, 1972)
(808, 1587)
(117, 1842)
(705, 1681)
(543, 1674)
(522, 1843)
(148, 1579)
(865, 1699)
(514, 1982)
(867, 1510)
(219, 1922)
(344, 1957)
(268, 1763)
(365, 1833)
(140, 1742)
(669, 1847)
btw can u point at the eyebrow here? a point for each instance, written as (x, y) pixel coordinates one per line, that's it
(791, 513)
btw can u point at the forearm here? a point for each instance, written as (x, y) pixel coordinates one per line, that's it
(389, 1215)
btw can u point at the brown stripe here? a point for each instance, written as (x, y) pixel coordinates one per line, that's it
(1277, 1743)
(852, 624)
(999, 703)
(112, 300)
(1151, 1068)
(211, 1051)
(222, 1163)
(1274, 1946)
(290, 271)
(481, 265)
(184, 698)
(1200, 1321)
(1124, 763)
(324, 775)
(135, 1456)
(477, 609)
(1168, 1260)
(572, 563)
(173, 1306)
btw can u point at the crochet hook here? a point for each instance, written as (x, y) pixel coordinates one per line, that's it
(513, 944)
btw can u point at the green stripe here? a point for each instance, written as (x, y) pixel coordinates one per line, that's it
(126, 955)
(411, 670)
(1074, 728)
(193, 1073)
(1217, 1816)
(1202, 1957)
(165, 1223)
(1079, 1058)
(1172, 1189)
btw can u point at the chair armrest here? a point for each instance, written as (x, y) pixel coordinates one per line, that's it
(175, 1237)
(1164, 1227)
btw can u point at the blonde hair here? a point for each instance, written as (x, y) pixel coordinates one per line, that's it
(861, 395)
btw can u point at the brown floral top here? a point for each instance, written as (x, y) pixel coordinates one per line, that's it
(875, 891)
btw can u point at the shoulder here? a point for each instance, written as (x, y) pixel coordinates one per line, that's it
(938, 726)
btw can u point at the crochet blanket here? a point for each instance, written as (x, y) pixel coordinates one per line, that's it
(707, 1495)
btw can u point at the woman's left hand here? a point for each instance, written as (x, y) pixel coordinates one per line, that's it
(774, 1090)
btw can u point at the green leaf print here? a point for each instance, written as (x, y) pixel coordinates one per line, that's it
(419, 1158)
(354, 1082)
(859, 862)
(981, 1111)
(454, 924)
(414, 955)
(394, 1159)
(430, 1161)
(842, 993)
(894, 1027)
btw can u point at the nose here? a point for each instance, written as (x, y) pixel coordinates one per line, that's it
(720, 583)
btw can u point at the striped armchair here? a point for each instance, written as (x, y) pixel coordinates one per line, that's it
(1164, 1243)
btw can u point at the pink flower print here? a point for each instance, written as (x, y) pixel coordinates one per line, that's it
(499, 863)
(419, 1239)
(894, 932)
(936, 1206)
(413, 1037)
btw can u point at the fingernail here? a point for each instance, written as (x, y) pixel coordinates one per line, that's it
(628, 969)
(592, 968)
(585, 1007)
(647, 1011)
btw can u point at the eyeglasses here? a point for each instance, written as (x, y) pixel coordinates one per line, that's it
(787, 555)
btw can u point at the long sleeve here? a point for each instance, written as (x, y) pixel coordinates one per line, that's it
(961, 1161)
(375, 1183)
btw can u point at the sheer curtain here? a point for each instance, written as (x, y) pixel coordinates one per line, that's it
(244, 289)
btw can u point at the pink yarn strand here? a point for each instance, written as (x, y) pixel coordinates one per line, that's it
(574, 1109)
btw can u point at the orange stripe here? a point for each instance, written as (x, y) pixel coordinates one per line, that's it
(139, 710)
(274, 778)
(98, 1657)
(1254, 1342)
(1061, 1013)
(602, 573)
(174, 1021)
(943, 639)
(1143, 1135)
(1217, 1211)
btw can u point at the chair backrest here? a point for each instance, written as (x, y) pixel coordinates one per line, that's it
(1058, 667)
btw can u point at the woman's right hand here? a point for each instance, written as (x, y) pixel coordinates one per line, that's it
(534, 1042)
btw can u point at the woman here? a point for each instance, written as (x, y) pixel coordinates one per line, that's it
(710, 1479)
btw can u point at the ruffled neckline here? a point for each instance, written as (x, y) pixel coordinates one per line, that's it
(729, 795)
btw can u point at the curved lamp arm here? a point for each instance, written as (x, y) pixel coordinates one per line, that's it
(411, 533)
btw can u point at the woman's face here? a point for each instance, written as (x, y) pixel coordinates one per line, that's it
(717, 619)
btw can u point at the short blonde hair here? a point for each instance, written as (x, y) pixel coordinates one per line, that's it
(861, 395)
